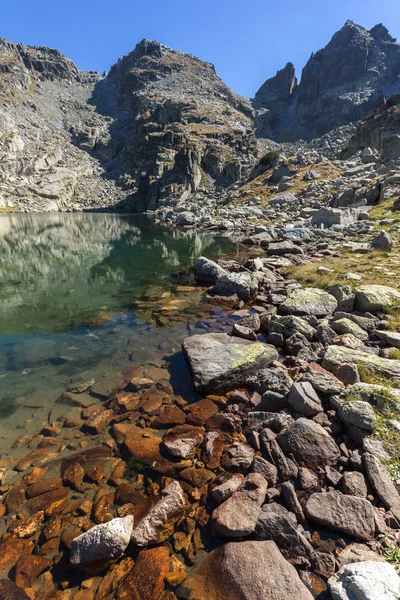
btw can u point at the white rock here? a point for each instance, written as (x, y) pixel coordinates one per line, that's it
(102, 542)
(368, 580)
(148, 529)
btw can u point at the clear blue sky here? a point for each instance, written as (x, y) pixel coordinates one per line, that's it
(248, 41)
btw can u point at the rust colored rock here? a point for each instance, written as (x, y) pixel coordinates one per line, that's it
(125, 493)
(31, 526)
(41, 487)
(201, 411)
(35, 458)
(182, 440)
(127, 401)
(50, 547)
(29, 567)
(197, 477)
(10, 591)
(48, 501)
(95, 474)
(15, 498)
(153, 400)
(10, 551)
(50, 431)
(52, 529)
(73, 476)
(118, 473)
(171, 415)
(102, 503)
(146, 580)
(37, 474)
(99, 421)
(213, 449)
(111, 580)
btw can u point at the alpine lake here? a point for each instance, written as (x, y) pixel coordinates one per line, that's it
(88, 300)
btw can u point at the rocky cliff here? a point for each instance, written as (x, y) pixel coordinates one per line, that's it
(343, 82)
(161, 125)
(161, 130)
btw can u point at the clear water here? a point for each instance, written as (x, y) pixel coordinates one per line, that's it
(84, 296)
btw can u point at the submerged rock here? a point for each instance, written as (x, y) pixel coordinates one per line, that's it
(219, 362)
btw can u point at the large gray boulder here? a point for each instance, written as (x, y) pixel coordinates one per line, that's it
(247, 570)
(372, 298)
(367, 580)
(335, 356)
(304, 399)
(359, 414)
(238, 515)
(243, 284)
(309, 443)
(341, 217)
(381, 481)
(309, 301)
(348, 515)
(206, 270)
(103, 542)
(219, 362)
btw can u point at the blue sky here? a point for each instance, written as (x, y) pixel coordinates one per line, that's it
(247, 41)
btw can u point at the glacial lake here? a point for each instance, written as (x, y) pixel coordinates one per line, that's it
(85, 296)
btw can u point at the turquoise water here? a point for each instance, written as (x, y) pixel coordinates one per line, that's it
(84, 296)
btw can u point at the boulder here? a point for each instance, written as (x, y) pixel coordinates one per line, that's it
(381, 481)
(309, 443)
(250, 570)
(357, 413)
(219, 362)
(383, 242)
(335, 356)
(353, 484)
(334, 216)
(243, 284)
(225, 490)
(342, 326)
(287, 325)
(279, 525)
(206, 270)
(237, 516)
(372, 298)
(282, 248)
(369, 580)
(304, 399)
(266, 469)
(103, 542)
(343, 295)
(309, 301)
(240, 456)
(150, 529)
(347, 515)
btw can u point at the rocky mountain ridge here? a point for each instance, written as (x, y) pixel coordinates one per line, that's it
(343, 82)
(162, 131)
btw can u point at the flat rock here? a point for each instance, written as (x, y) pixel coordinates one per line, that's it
(368, 580)
(150, 529)
(309, 443)
(247, 570)
(348, 515)
(219, 362)
(309, 301)
(237, 516)
(372, 298)
(103, 542)
(381, 481)
(335, 356)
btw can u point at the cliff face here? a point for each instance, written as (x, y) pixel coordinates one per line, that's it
(161, 124)
(189, 131)
(341, 83)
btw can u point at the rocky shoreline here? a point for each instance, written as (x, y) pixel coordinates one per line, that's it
(276, 483)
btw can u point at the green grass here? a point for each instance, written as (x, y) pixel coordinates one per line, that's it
(136, 467)
(268, 158)
(392, 555)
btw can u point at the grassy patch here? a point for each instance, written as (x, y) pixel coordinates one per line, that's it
(268, 158)
(373, 267)
(135, 467)
(392, 555)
